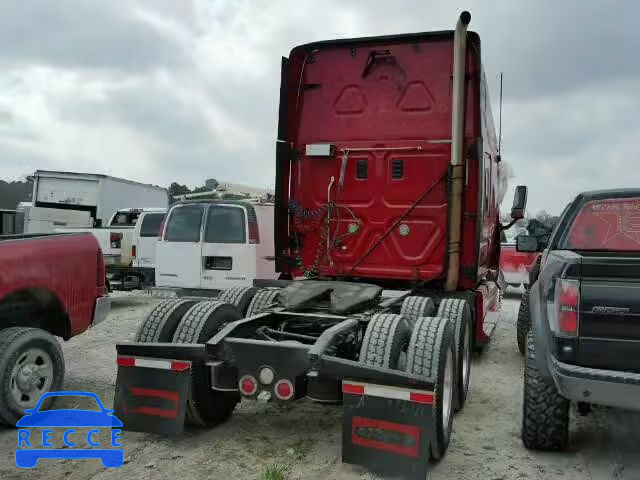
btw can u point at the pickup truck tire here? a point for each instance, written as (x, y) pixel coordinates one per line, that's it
(385, 341)
(457, 310)
(162, 321)
(416, 307)
(262, 300)
(206, 407)
(545, 413)
(431, 354)
(31, 363)
(239, 297)
(523, 324)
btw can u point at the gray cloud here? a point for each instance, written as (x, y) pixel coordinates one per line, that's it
(81, 34)
(158, 90)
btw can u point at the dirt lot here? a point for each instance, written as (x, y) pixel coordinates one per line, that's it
(304, 438)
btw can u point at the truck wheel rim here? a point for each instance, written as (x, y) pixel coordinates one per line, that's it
(32, 375)
(447, 393)
(466, 358)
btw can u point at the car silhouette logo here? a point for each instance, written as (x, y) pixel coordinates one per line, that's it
(27, 455)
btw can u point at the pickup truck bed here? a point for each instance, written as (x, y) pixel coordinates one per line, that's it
(51, 285)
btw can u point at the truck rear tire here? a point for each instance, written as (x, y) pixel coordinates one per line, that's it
(262, 300)
(523, 324)
(206, 407)
(385, 340)
(545, 413)
(239, 297)
(416, 307)
(458, 311)
(431, 354)
(31, 363)
(162, 321)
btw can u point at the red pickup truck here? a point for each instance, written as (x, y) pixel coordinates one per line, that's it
(50, 286)
(515, 265)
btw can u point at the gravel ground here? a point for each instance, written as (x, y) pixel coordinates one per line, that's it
(304, 438)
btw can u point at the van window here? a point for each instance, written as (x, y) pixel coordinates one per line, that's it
(225, 225)
(184, 224)
(151, 224)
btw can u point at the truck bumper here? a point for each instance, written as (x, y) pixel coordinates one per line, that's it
(602, 387)
(177, 292)
(101, 310)
(130, 278)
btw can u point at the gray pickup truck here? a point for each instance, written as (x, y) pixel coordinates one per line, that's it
(584, 304)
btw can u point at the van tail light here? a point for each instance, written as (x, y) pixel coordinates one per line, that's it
(115, 239)
(161, 229)
(133, 251)
(567, 297)
(254, 233)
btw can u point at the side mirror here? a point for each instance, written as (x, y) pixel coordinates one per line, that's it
(527, 243)
(519, 202)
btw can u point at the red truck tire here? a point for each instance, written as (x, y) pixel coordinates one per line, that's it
(205, 406)
(431, 354)
(239, 297)
(385, 339)
(162, 321)
(457, 310)
(523, 322)
(31, 363)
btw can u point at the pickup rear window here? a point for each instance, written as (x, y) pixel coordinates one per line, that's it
(125, 219)
(612, 224)
(225, 225)
(151, 224)
(184, 224)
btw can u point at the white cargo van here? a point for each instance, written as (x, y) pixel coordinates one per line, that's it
(145, 237)
(214, 245)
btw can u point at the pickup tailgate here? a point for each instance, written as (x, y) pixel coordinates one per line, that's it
(609, 332)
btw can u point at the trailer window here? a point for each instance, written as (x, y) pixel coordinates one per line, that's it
(184, 224)
(151, 224)
(612, 224)
(225, 225)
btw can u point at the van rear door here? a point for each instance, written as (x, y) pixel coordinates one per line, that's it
(179, 254)
(228, 258)
(145, 238)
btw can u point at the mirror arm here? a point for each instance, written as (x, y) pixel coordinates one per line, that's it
(509, 225)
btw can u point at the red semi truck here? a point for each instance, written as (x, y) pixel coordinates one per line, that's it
(51, 285)
(387, 199)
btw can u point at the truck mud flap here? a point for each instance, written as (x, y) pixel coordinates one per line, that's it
(151, 394)
(387, 429)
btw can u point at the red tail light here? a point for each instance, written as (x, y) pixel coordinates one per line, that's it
(161, 229)
(254, 233)
(133, 251)
(248, 385)
(115, 239)
(284, 390)
(567, 303)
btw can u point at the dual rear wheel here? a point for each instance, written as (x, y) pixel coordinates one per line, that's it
(437, 348)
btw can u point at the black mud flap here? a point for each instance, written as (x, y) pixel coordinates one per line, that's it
(151, 394)
(387, 429)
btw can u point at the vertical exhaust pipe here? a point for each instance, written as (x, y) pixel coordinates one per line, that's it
(457, 141)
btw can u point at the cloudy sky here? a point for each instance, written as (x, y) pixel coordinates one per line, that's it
(182, 90)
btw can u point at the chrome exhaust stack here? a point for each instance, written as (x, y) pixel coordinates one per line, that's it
(457, 141)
